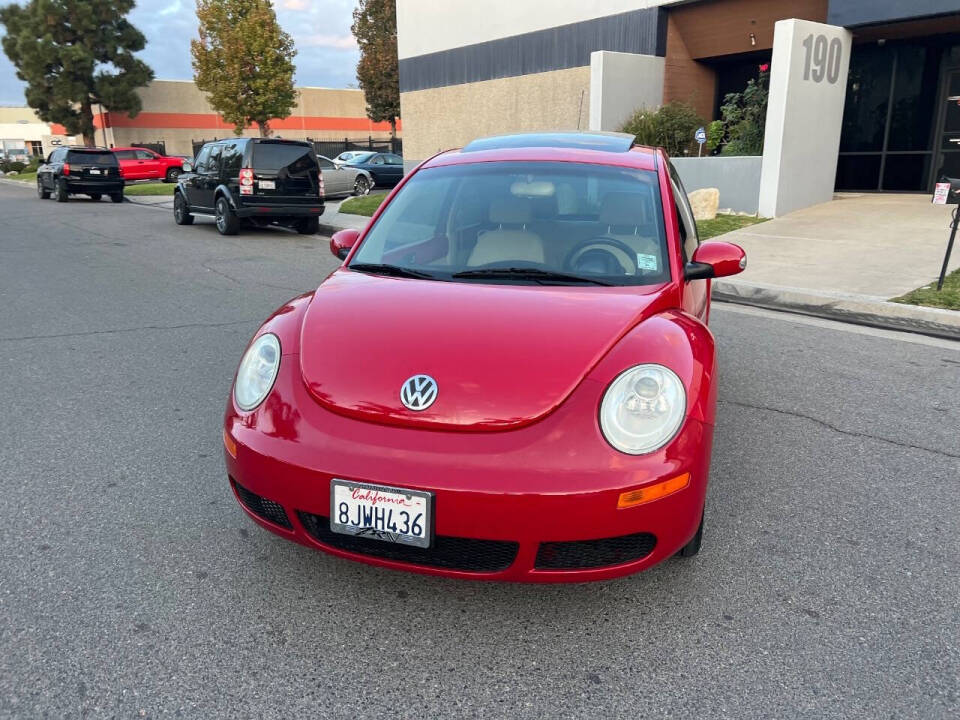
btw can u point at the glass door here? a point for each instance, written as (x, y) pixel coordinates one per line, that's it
(948, 159)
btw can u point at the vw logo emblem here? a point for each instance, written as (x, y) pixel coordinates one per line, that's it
(419, 392)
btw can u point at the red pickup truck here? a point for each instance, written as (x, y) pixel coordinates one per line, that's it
(142, 164)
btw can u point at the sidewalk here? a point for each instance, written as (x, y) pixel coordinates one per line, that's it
(846, 259)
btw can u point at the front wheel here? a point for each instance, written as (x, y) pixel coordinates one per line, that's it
(95, 197)
(361, 186)
(42, 192)
(172, 174)
(181, 215)
(308, 226)
(227, 222)
(60, 191)
(693, 547)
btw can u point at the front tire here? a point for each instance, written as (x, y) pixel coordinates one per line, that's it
(693, 547)
(227, 221)
(308, 226)
(361, 186)
(96, 197)
(181, 215)
(42, 192)
(60, 191)
(172, 174)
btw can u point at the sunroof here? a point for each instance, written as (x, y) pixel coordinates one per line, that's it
(606, 142)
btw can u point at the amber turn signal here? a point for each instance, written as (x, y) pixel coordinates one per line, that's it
(653, 492)
(230, 444)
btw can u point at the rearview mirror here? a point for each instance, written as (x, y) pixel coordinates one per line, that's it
(343, 241)
(715, 260)
(187, 166)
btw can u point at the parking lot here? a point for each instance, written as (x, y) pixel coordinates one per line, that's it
(132, 584)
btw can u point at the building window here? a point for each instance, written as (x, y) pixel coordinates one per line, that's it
(886, 142)
(36, 148)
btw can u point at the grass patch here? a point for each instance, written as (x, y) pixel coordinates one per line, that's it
(366, 205)
(948, 298)
(725, 223)
(27, 177)
(150, 189)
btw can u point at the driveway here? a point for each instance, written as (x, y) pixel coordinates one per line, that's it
(132, 585)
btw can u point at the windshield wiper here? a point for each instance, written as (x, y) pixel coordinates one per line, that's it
(391, 270)
(519, 273)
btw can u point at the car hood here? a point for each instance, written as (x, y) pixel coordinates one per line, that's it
(502, 356)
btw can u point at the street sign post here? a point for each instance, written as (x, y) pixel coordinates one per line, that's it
(947, 192)
(701, 137)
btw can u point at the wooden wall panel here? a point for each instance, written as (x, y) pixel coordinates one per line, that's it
(723, 27)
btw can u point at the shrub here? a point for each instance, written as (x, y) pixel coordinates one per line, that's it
(12, 166)
(745, 116)
(671, 127)
(715, 135)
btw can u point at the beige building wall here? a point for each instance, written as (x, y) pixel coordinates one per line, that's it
(177, 113)
(450, 117)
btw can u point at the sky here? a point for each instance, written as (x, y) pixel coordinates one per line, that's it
(326, 50)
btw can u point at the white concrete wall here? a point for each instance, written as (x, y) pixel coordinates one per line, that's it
(736, 177)
(24, 131)
(620, 83)
(804, 116)
(427, 26)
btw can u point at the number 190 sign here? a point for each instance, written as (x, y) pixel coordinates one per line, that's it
(822, 58)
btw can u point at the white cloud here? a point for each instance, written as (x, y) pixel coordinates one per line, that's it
(326, 50)
(340, 42)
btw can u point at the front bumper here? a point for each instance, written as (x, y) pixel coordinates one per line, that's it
(297, 211)
(535, 504)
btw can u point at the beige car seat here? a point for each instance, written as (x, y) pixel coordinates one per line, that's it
(508, 243)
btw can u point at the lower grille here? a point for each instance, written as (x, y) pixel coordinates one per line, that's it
(450, 553)
(261, 507)
(583, 554)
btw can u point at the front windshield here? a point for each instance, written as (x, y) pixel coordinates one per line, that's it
(360, 157)
(546, 222)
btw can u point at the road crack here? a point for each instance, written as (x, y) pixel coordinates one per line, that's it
(116, 331)
(842, 431)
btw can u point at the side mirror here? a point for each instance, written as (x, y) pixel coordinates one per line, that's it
(187, 166)
(342, 242)
(715, 260)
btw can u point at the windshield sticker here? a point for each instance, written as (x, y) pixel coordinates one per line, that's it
(646, 262)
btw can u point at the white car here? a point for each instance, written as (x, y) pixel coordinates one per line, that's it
(340, 179)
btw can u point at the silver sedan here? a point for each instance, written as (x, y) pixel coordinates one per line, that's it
(339, 179)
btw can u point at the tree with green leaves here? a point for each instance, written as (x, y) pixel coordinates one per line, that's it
(243, 60)
(74, 54)
(375, 27)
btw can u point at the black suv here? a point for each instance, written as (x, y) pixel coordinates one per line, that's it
(80, 171)
(261, 180)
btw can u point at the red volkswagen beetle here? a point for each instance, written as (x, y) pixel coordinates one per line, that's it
(510, 377)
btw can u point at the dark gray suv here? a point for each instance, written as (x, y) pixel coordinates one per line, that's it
(260, 180)
(80, 171)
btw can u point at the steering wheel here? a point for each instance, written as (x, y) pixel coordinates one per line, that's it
(602, 256)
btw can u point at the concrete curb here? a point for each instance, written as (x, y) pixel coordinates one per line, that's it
(29, 184)
(844, 307)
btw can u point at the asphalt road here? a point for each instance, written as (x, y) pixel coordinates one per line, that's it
(131, 584)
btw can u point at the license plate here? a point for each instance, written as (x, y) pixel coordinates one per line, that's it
(383, 513)
(268, 185)
(94, 171)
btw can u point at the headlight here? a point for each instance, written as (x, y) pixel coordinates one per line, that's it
(258, 370)
(643, 409)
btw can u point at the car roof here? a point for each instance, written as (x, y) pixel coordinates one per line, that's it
(84, 148)
(598, 148)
